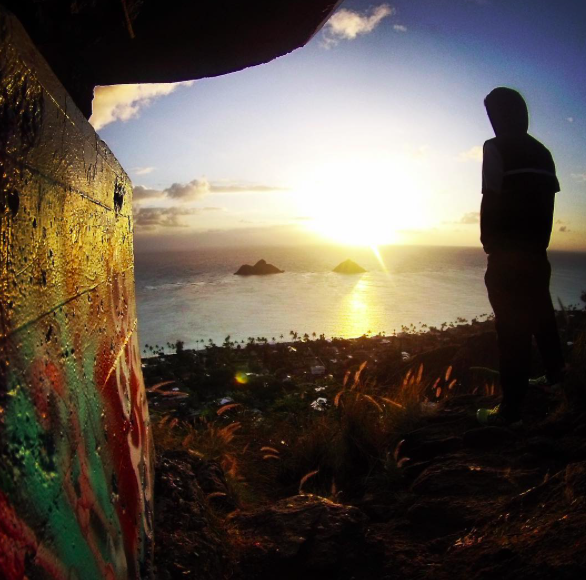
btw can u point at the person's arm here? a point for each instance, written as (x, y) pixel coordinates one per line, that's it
(492, 181)
(492, 169)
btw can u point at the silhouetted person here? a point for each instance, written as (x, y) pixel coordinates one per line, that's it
(519, 184)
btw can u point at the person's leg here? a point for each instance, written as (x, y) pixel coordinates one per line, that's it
(514, 341)
(545, 328)
(507, 293)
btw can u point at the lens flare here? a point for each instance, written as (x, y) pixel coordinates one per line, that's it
(241, 378)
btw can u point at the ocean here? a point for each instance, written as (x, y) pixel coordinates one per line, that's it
(194, 295)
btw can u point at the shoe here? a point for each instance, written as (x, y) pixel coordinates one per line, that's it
(545, 384)
(495, 418)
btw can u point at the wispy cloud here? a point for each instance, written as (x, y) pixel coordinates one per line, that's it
(191, 191)
(140, 193)
(167, 217)
(579, 177)
(197, 189)
(230, 187)
(570, 119)
(420, 152)
(348, 24)
(142, 170)
(124, 102)
(472, 154)
(472, 217)
(469, 218)
(399, 27)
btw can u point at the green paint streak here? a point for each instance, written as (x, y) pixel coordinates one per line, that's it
(38, 490)
(84, 399)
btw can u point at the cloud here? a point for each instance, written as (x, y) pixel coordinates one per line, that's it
(191, 191)
(473, 154)
(243, 188)
(197, 189)
(579, 177)
(166, 217)
(399, 28)
(564, 229)
(124, 102)
(348, 24)
(141, 193)
(570, 119)
(142, 170)
(420, 152)
(469, 218)
(472, 217)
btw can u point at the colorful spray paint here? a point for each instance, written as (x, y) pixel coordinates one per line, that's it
(75, 441)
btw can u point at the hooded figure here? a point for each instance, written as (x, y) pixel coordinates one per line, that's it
(519, 184)
(518, 180)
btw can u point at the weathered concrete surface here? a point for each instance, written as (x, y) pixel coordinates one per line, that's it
(75, 441)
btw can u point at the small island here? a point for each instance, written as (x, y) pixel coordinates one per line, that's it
(349, 267)
(261, 268)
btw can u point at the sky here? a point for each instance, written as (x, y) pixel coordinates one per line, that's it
(371, 134)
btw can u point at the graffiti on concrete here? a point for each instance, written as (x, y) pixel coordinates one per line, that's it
(75, 441)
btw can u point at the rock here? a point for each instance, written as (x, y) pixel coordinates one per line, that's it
(488, 437)
(261, 268)
(542, 447)
(211, 479)
(436, 517)
(349, 267)
(303, 533)
(411, 471)
(461, 480)
(418, 450)
(188, 542)
(379, 512)
(575, 481)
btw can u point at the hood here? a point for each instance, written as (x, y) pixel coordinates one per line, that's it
(507, 111)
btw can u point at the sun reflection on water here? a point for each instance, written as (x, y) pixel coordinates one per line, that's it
(356, 315)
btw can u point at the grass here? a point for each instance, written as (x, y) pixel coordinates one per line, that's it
(341, 452)
(346, 449)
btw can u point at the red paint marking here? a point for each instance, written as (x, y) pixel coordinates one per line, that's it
(120, 443)
(17, 541)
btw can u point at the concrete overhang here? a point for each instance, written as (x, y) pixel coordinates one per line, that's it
(105, 42)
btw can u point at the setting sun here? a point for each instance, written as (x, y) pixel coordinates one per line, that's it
(364, 202)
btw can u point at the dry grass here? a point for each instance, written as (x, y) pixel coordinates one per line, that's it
(341, 452)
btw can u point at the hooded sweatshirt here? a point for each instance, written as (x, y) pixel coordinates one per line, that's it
(519, 181)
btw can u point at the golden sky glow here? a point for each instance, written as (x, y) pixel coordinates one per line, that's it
(371, 134)
(364, 201)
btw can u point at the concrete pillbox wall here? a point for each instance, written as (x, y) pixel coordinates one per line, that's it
(75, 440)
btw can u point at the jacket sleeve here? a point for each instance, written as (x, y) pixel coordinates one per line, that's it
(492, 181)
(492, 169)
